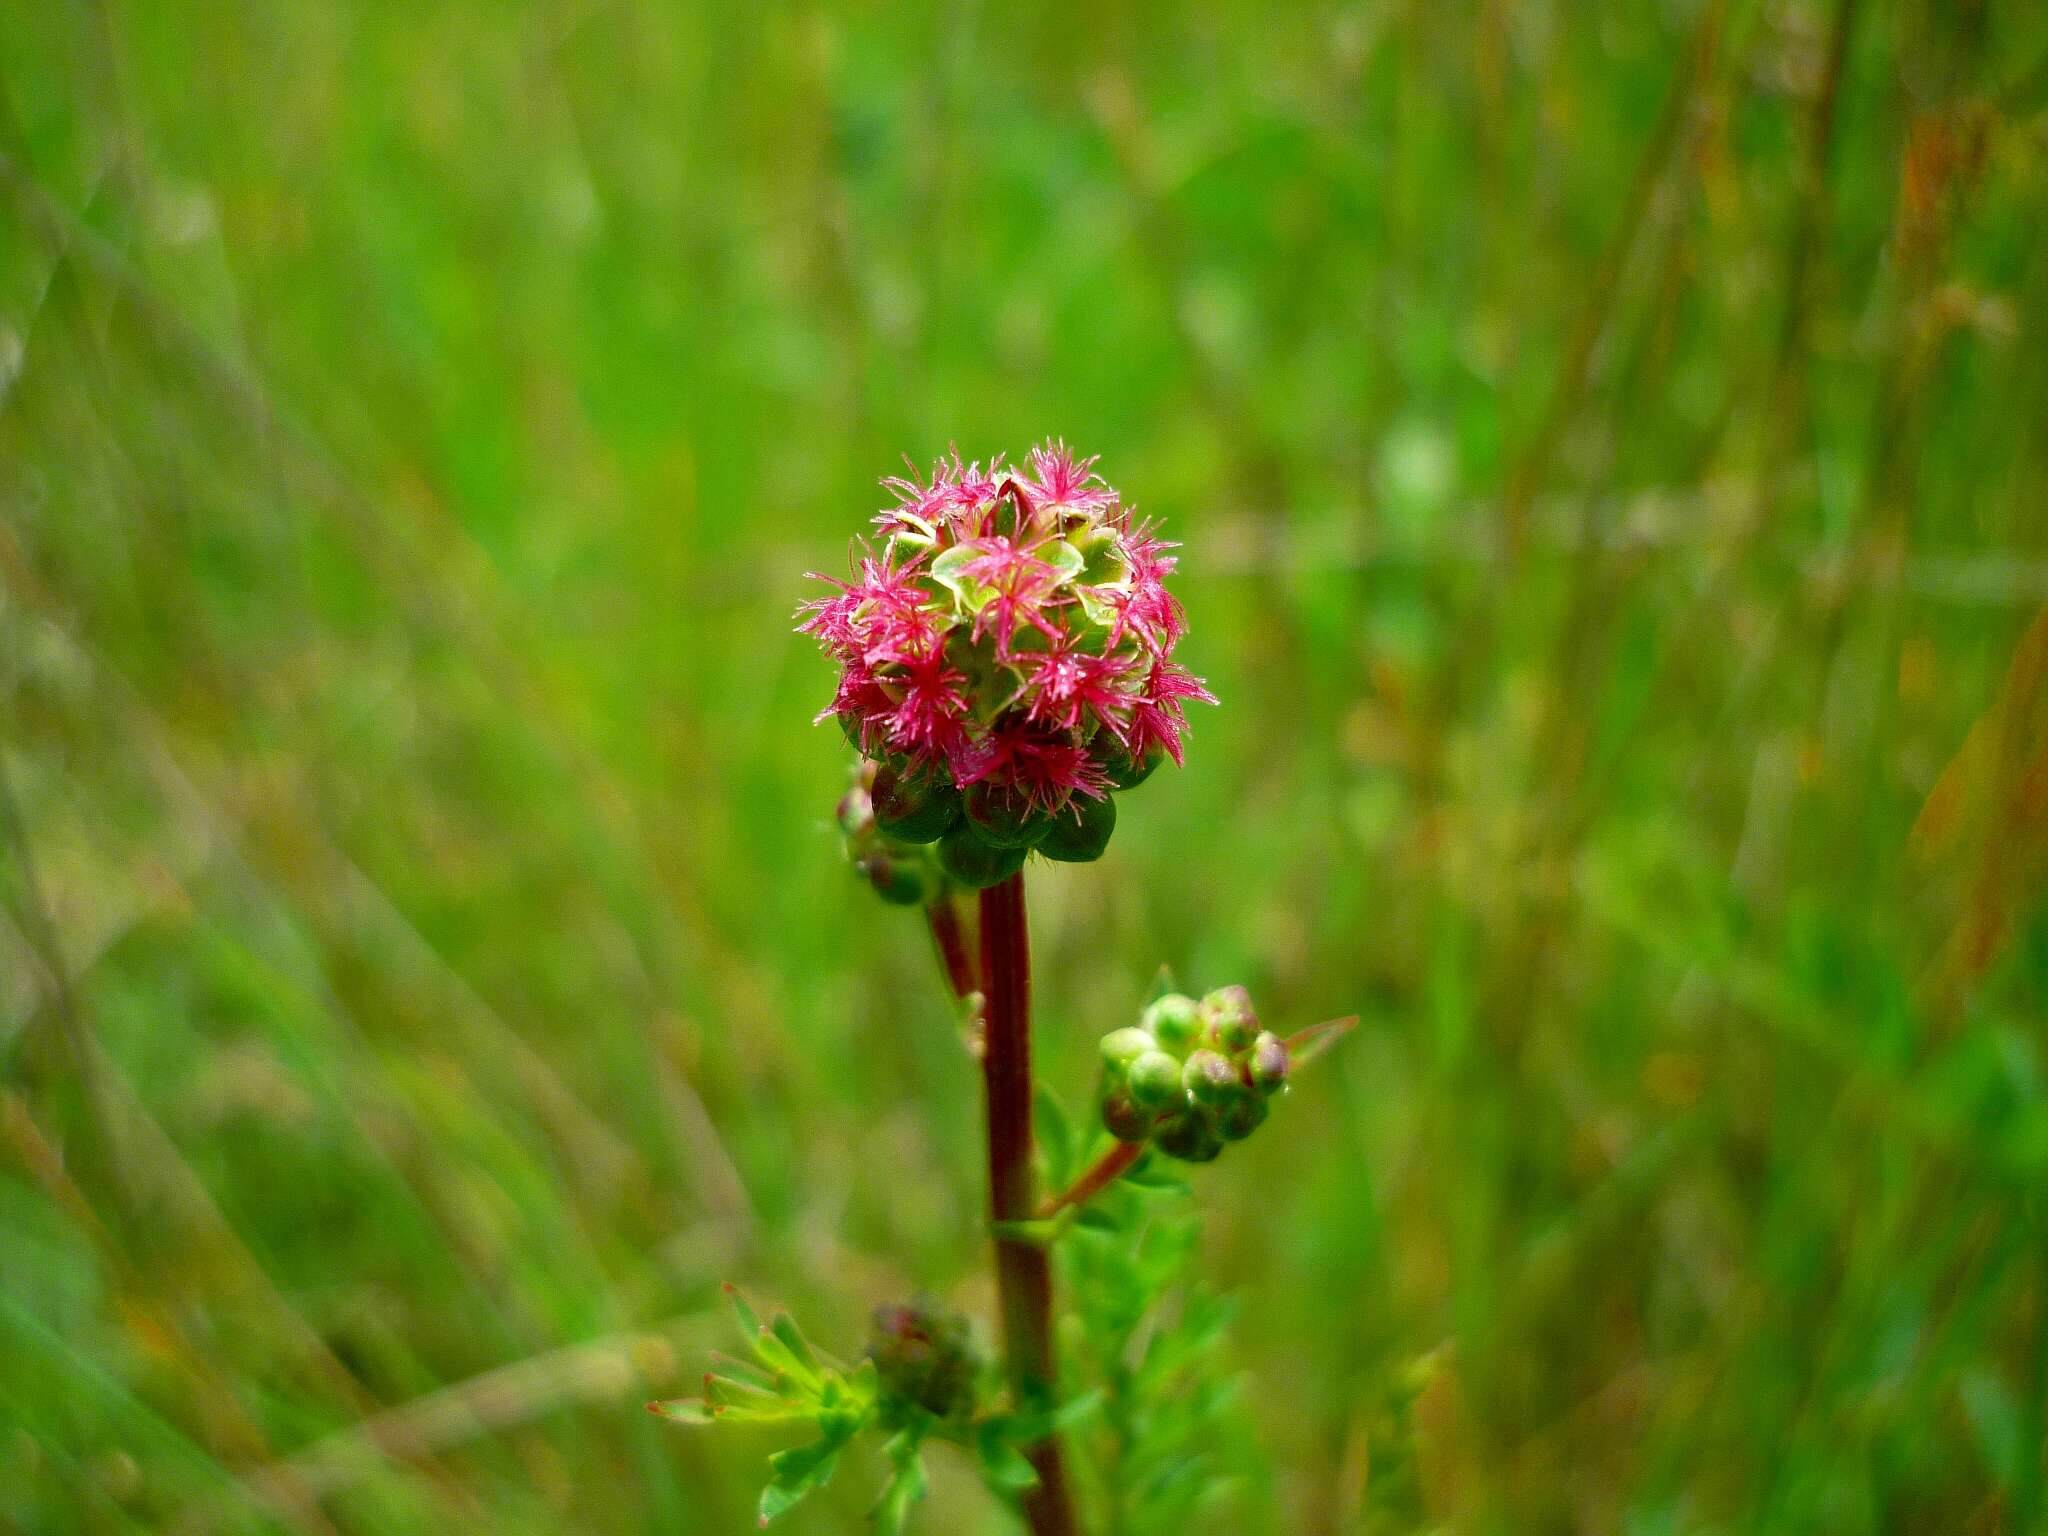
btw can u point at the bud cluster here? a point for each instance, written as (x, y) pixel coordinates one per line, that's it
(924, 1357)
(1007, 658)
(1191, 1076)
(902, 873)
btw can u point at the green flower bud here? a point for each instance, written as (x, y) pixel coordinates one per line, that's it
(924, 1355)
(1155, 1080)
(1001, 819)
(1188, 1136)
(1209, 1078)
(1121, 1047)
(1227, 1013)
(1173, 1021)
(1080, 830)
(1241, 1116)
(914, 810)
(900, 882)
(1124, 1120)
(1269, 1063)
(974, 863)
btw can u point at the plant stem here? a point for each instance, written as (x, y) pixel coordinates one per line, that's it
(1023, 1270)
(951, 940)
(1105, 1171)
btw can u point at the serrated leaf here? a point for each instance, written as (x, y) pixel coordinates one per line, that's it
(1004, 1466)
(797, 1474)
(1306, 1045)
(1154, 1174)
(742, 1373)
(683, 1410)
(792, 1339)
(750, 1323)
(905, 1487)
(1055, 1134)
(1039, 1232)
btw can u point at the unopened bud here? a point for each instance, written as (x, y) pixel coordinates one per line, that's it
(1268, 1065)
(1189, 1136)
(1230, 1019)
(1173, 1021)
(1209, 1078)
(900, 882)
(1122, 1118)
(1080, 830)
(914, 810)
(1240, 1116)
(1155, 1080)
(1121, 1047)
(1001, 818)
(974, 863)
(1127, 772)
(924, 1355)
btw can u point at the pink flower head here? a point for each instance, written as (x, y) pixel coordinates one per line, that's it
(1014, 632)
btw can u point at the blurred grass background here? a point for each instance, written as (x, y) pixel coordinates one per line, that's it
(1610, 447)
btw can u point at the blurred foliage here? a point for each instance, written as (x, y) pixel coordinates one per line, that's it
(1610, 446)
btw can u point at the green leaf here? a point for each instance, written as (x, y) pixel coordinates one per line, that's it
(905, 1487)
(750, 1323)
(1039, 1232)
(797, 1474)
(792, 1338)
(1055, 1133)
(1153, 1173)
(683, 1410)
(1002, 1464)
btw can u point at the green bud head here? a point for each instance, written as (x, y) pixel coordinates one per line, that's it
(1227, 1013)
(1121, 1047)
(1240, 1117)
(1124, 1120)
(974, 863)
(856, 814)
(1189, 1136)
(1173, 1021)
(1269, 1063)
(914, 810)
(900, 882)
(1209, 1078)
(924, 1355)
(1000, 819)
(1155, 1080)
(1080, 830)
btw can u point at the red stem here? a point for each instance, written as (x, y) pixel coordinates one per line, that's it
(1106, 1170)
(1023, 1269)
(944, 916)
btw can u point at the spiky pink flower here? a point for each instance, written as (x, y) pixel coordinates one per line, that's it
(1014, 632)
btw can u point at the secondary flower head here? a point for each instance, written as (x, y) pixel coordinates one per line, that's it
(1006, 654)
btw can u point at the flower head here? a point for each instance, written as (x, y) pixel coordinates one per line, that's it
(1014, 632)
